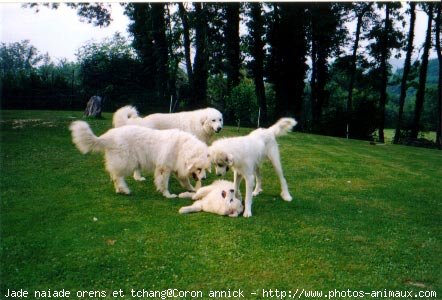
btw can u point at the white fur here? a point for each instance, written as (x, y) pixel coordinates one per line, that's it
(131, 147)
(203, 123)
(218, 198)
(245, 154)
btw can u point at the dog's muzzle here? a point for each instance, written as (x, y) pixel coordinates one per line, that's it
(218, 129)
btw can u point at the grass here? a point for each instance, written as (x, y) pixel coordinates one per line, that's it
(363, 218)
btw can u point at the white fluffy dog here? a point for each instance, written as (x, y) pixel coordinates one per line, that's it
(162, 152)
(245, 154)
(218, 198)
(203, 123)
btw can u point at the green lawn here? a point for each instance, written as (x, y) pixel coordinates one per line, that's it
(363, 218)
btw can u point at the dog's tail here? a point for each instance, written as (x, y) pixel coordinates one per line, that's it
(283, 126)
(83, 137)
(123, 114)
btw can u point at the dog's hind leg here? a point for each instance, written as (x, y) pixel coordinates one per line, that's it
(250, 180)
(273, 156)
(195, 207)
(162, 182)
(258, 178)
(120, 184)
(137, 176)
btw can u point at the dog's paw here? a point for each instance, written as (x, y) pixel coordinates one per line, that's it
(286, 196)
(186, 195)
(247, 214)
(141, 178)
(124, 191)
(256, 192)
(169, 195)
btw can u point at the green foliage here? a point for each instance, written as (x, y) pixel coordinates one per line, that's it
(242, 102)
(363, 217)
(111, 69)
(31, 80)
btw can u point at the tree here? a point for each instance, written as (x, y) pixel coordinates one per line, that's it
(186, 36)
(438, 30)
(232, 42)
(256, 49)
(109, 69)
(19, 56)
(286, 66)
(326, 21)
(360, 11)
(407, 65)
(97, 13)
(200, 71)
(420, 95)
(386, 38)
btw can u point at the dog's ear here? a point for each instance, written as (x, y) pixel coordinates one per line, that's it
(229, 159)
(188, 165)
(224, 194)
(203, 120)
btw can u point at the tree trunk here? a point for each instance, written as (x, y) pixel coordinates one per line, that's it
(160, 51)
(233, 53)
(420, 95)
(186, 35)
(407, 65)
(353, 68)
(256, 31)
(200, 71)
(384, 74)
(439, 57)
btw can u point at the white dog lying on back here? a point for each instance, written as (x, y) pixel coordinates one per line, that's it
(245, 154)
(130, 148)
(218, 198)
(203, 123)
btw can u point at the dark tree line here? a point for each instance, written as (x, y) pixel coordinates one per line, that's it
(300, 58)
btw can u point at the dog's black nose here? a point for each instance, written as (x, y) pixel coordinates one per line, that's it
(218, 129)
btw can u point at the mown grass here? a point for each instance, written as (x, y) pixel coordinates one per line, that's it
(363, 218)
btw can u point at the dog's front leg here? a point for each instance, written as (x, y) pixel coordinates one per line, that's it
(120, 184)
(137, 176)
(162, 176)
(249, 196)
(185, 183)
(237, 178)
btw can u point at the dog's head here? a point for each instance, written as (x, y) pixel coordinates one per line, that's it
(222, 161)
(212, 121)
(233, 205)
(197, 166)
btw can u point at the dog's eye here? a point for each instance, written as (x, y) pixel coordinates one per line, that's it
(213, 120)
(220, 120)
(199, 170)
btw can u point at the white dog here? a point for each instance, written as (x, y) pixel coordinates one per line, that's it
(218, 198)
(202, 123)
(131, 147)
(245, 154)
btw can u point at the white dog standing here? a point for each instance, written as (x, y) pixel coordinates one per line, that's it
(245, 154)
(203, 123)
(130, 148)
(218, 198)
